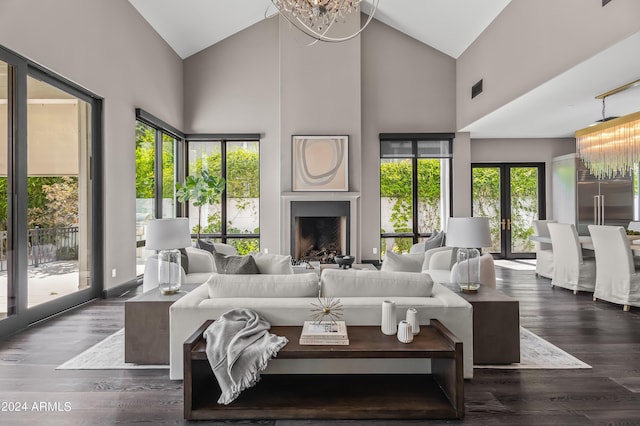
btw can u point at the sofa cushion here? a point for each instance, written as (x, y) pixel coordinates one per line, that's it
(263, 285)
(235, 264)
(394, 262)
(359, 283)
(273, 263)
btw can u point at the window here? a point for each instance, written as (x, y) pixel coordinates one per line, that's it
(236, 218)
(157, 157)
(415, 176)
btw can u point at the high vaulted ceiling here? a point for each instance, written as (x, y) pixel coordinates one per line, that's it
(554, 109)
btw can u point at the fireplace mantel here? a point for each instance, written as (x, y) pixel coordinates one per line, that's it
(351, 197)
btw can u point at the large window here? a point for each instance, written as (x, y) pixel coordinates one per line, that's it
(415, 175)
(236, 218)
(157, 160)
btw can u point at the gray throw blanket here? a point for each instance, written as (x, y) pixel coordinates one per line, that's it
(239, 346)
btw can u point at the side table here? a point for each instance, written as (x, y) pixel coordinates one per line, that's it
(146, 326)
(496, 325)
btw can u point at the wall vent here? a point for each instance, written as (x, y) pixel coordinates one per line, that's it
(476, 89)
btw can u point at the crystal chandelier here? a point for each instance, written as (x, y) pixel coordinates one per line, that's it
(612, 147)
(316, 17)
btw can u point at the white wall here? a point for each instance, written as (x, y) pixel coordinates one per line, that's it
(523, 150)
(108, 48)
(233, 87)
(532, 41)
(407, 86)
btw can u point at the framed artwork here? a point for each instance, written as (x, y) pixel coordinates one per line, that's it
(320, 163)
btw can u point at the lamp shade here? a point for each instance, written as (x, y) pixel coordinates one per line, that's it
(468, 232)
(168, 234)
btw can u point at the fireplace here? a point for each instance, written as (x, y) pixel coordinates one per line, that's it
(320, 230)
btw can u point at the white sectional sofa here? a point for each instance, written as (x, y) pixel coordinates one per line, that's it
(286, 300)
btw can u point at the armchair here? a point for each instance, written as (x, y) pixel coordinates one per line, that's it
(438, 263)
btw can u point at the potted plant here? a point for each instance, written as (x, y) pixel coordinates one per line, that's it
(200, 189)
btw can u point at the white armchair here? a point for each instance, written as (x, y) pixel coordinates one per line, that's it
(438, 263)
(570, 269)
(544, 251)
(201, 266)
(616, 278)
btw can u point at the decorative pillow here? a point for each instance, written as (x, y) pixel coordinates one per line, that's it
(337, 283)
(184, 260)
(263, 286)
(394, 262)
(206, 245)
(435, 240)
(235, 264)
(273, 263)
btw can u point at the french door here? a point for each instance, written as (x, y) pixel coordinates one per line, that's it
(512, 196)
(50, 225)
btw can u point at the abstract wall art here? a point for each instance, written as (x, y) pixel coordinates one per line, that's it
(320, 163)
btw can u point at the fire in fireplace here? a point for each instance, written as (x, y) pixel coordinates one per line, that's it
(319, 230)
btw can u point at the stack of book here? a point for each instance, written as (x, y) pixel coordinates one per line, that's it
(324, 333)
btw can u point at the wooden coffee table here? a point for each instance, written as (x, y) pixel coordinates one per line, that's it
(439, 395)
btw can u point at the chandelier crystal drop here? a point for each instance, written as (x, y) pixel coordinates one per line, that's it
(316, 17)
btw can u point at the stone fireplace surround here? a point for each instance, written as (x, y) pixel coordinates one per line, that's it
(352, 197)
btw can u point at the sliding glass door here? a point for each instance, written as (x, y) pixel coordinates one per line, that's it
(50, 167)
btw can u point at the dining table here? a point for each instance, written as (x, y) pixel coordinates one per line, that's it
(587, 244)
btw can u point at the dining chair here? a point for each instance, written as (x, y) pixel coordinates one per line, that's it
(570, 269)
(616, 278)
(544, 251)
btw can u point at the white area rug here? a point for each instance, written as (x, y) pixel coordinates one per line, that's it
(105, 355)
(535, 352)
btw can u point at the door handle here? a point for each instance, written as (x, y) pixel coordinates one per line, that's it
(508, 224)
(503, 224)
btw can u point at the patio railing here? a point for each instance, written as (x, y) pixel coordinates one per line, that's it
(45, 245)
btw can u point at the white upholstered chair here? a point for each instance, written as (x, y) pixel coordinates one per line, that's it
(544, 251)
(439, 264)
(570, 269)
(634, 226)
(616, 278)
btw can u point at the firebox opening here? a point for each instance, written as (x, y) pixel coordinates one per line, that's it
(320, 238)
(320, 230)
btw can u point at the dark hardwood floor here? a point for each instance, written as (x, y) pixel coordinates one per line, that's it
(599, 334)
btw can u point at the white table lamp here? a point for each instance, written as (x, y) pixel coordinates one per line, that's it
(167, 236)
(468, 234)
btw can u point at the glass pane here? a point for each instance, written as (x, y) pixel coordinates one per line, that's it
(524, 207)
(485, 189)
(58, 196)
(434, 149)
(395, 149)
(145, 192)
(396, 205)
(205, 156)
(7, 298)
(429, 195)
(243, 188)
(245, 245)
(395, 244)
(169, 147)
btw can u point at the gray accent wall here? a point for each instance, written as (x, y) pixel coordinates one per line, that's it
(531, 42)
(106, 47)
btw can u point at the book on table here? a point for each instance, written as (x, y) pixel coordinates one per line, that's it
(324, 333)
